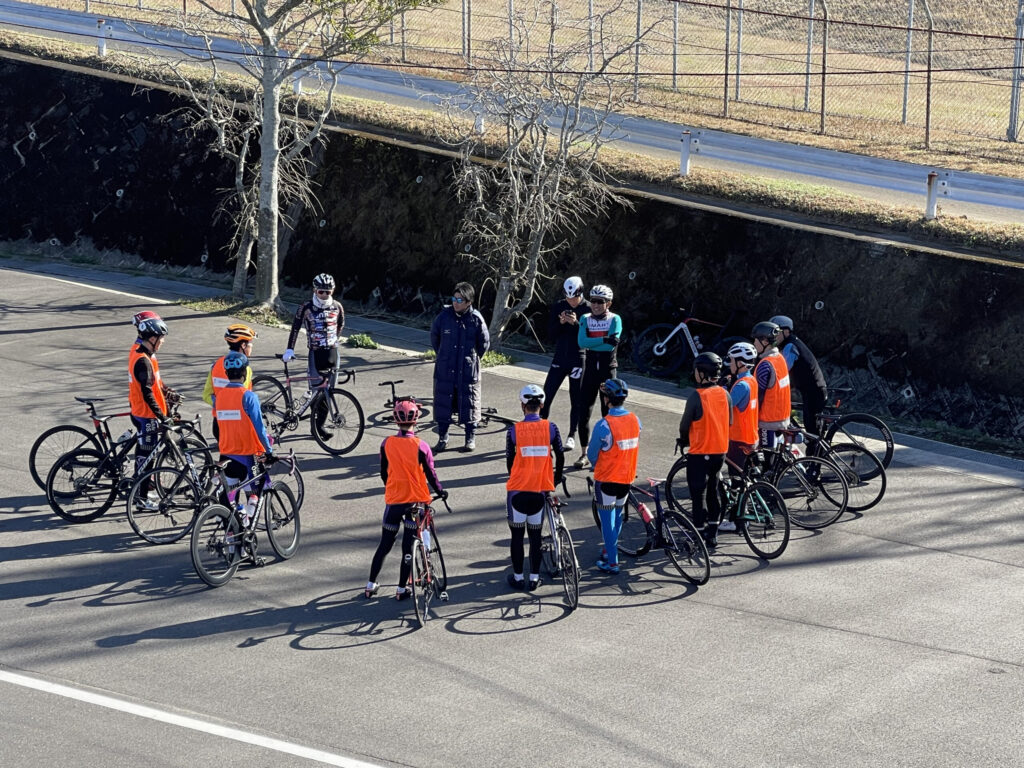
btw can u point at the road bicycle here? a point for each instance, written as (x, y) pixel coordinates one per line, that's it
(662, 349)
(83, 483)
(335, 417)
(429, 577)
(815, 489)
(755, 506)
(387, 417)
(224, 534)
(670, 531)
(65, 438)
(558, 551)
(861, 429)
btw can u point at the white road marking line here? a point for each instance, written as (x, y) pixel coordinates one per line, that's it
(147, 299)
(140, 710)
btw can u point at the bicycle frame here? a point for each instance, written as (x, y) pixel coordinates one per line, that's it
(684, 326)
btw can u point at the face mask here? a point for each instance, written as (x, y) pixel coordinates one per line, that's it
(320, 304)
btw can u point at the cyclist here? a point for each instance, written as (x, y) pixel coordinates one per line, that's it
(324, 320)
(614, 449)
(459, 337)
(534, 459)
(704, 429)
(406, 467)
(239, 338)
(772, 376)
(743, 437)
(598, 337)
(148, 396)
(804, 372)
(242, 436)
(563, 329)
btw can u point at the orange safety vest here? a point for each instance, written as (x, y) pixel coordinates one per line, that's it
(135, 399)
(407, 483)
(533, 467)
(237, 434)
(744, 423)
(709, 434)
(618, 463)
(776, 405)
(220, 380)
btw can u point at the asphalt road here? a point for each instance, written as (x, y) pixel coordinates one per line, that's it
(891, 638)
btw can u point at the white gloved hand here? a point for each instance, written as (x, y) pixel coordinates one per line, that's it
(575, 373)
(288, 356)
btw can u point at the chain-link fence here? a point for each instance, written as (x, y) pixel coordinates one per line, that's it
(868, 68)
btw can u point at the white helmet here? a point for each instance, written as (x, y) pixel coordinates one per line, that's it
(573, 286)
(531, 393)
(601, 292)
(742, 352)
(783, 322)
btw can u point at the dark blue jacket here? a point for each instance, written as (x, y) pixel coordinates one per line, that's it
(459, 341)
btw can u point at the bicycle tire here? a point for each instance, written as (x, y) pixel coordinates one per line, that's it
(281, 514)
(764, 520)
(79, 487)
(864, 473)
(814, 491)
(856, 428)
(635, 538)
(54, 443)
(676, 489)
(568, 568)
(337, 422)
(686, 549)
(675, 355)
(275, 403)
(420, 583)
(440, 571)
(202, 457)
(180, 500)
(216, 545)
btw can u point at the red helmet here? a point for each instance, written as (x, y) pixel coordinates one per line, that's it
(144, 315)
(406, 411)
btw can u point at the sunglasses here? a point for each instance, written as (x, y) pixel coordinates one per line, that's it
(323, 293)
(598, 301)
(458, 300)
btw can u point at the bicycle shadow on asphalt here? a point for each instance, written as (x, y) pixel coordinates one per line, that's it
(29, 513)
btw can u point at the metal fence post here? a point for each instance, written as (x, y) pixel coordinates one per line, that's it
(402, 27)
(590, 35)
(931, 200)
(87, 8)
(675, 46)
(464, 54)
(824, 63)
(906, 74)
(1018, 61)
(739, 47)
(636, 50)
(101, 39)
(684, 154)
(469, 30)
(728, 53)
(928, 79)
(297, 84)
(511, 28)
(810, 44)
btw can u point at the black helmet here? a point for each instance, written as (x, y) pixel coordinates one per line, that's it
(765, 330)
(152, 326)
(709, 364)
(323, 282)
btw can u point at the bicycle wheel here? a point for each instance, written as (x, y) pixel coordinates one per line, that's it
(279, 474)
(281, 514)
(814, 491)
(568, 569)
(764, 520)
(54, 443)
(275, 402)
(420, 583)
(864, 430)
(685, 548)
(337, 421)
(439, 572)
(634, 536)
(864, 473)
(674, 354)
(163, 504)
(677, 492)
(216, 545)
(81, 486)
(196, 447)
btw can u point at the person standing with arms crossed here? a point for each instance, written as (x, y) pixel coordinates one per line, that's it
(563, 330)
(598, 337)
(534, 458)
(805, 372)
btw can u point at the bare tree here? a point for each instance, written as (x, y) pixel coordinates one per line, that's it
(253, 53)
(547, 112)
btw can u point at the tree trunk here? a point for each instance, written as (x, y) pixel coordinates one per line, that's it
(242, 260)
(266, 292)
(502, 314)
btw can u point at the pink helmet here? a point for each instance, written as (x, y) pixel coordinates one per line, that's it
(406, 411)
(144, 315)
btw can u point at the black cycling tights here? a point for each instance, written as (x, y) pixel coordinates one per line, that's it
(556, 375)
(518, 550)
(702, 478)
(592, 381)
(387, 541)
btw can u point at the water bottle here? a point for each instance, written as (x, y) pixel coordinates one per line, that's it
(250, 509)
(126, 436)
(426, 538)
(645, 513)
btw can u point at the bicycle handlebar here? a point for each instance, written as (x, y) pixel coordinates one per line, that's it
(443, 498)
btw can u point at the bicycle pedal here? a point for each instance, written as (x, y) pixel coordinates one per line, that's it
(444, 596)
(259, 562)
